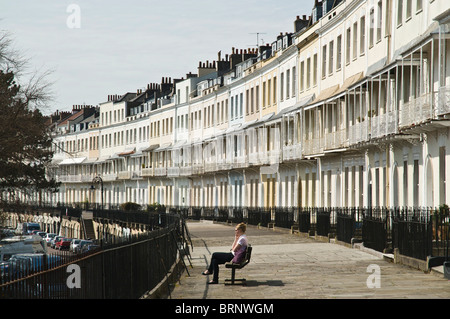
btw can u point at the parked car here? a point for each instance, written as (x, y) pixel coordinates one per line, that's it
(22, 264)
(63, 243)
(21, 244)
(54, 240)
(83, 243)
(89, 247)
(48, 238)
(42, 234)
(27, 228)
(7, 233)
(74, 244)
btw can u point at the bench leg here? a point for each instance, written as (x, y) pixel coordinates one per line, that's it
(233, 280)
(233, 274)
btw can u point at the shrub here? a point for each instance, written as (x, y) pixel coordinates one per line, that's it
(130, 206)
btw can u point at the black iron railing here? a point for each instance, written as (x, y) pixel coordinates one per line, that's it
(346, 224)
(379, 228)
(285, 216)
(375, 229)
(124, 269)
(259, 216)
(141, 263)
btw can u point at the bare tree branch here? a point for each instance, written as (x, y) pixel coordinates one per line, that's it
(11, 59)
(35, 86)
(38, 90)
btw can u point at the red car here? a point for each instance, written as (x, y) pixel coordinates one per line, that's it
(63, 243)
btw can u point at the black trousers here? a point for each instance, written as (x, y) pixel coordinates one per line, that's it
(216, 260)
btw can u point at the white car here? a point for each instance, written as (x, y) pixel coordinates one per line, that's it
(74, 244)
(48, 238)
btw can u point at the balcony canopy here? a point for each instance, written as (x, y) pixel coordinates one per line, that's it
(128, 151)
(72, 161)
(151, 148)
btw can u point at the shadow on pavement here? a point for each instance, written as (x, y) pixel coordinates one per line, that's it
(273, 283)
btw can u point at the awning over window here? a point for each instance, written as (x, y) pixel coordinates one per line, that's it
(72, 161)
(127, 152)
(179, 144)
(164, 147)
(233, 128)
(291, 109)
(139, 152)
(151, 148)
(327, 93)
(350, 81)
(262, 120)
(90, 161)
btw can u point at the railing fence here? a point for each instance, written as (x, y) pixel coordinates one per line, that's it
(415, 232)
(126, 269)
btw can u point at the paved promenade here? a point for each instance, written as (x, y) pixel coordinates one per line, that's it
(286, 266)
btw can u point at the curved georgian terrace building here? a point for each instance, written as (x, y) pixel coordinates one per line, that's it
(349, 109)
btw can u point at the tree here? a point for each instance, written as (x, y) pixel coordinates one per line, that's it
(25, 141)
(25, 146)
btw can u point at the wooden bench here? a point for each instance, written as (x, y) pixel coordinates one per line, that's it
(233, 266)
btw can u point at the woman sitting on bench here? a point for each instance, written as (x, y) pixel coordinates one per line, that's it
(236, 255)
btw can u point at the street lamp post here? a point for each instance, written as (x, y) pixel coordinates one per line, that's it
(98, 180)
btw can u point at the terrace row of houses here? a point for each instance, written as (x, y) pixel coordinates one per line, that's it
(350, 109)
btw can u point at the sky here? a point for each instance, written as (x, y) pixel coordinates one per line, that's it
(96, 48)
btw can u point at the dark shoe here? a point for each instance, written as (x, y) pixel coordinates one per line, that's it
(213, 282)
(206, 273)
